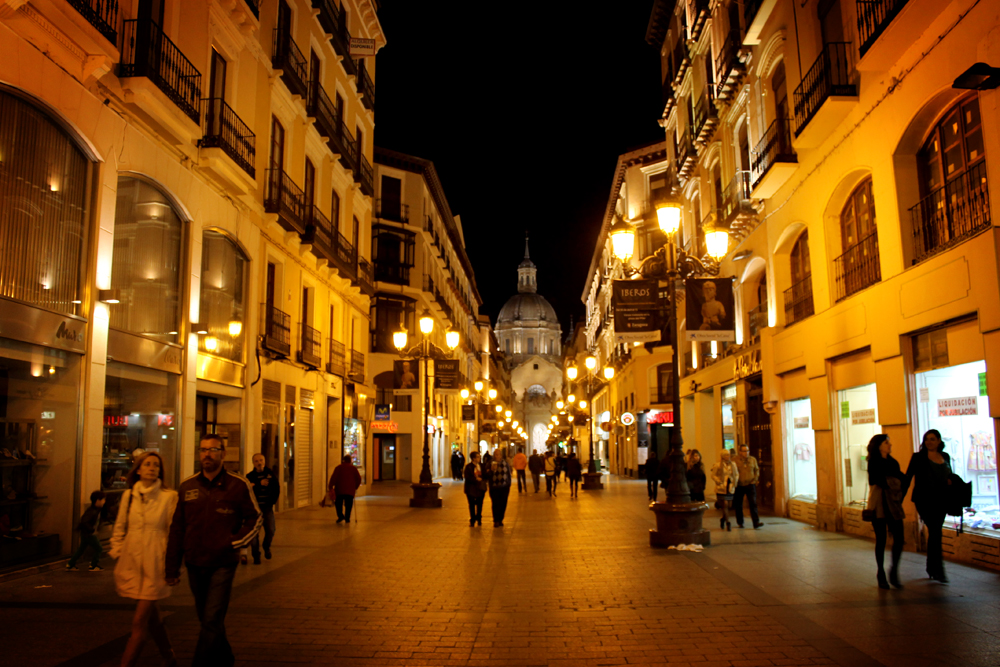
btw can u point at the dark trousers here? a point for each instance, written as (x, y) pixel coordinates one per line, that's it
(522, 478)
(498, 502)
(652, 487)
(934, 520)
(748, 491)
(95, 546)
(475, 507)
(551, 482)
(344, 504)
(894, 526)
(212, 587)
(269, 526)
(536, 479)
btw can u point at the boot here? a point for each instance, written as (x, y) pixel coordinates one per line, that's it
(729, 527)
(894, 577)
(722, 522)
(882, 583)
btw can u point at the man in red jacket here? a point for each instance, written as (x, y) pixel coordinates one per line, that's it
(345, 482)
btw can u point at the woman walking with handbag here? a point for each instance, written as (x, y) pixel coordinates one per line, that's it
(885, 505)
(930, 468)
(139, 542)
(725, 474)
(475, 489)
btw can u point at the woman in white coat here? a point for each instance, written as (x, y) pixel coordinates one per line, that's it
(139, 543)
(725, 474)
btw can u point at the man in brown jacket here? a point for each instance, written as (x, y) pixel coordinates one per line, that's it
(746, 487)
(345, 482)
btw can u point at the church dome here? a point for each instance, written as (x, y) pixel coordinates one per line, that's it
(527, 306)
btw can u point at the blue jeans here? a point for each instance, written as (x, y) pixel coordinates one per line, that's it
(87, 541)
(212, 588)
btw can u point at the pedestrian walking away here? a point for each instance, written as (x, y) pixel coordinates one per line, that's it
(551, 481)
(560, 464)
(499, 486)
(652, 475)
(216, 516)
(537, 466)
(746, 487)
(267, 490)
(725, 475)
(90, 521)
(520, 462)
(930, 470)
(475, 489)
(574, 471)
(139, 543)
(696, 476)
(887, 487)
(344, 483)
(457, 464)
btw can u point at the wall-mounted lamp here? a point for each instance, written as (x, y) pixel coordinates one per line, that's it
(109, 296)
(978, 77)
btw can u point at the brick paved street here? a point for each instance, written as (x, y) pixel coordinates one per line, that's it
(565, 582)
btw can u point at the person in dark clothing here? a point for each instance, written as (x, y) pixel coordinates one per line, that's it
(266, 489)
(696, 476)
(475, 490)
(500, 477)
(89, 522)
(216, 516)
(886, 499)
(652, 475)
(537, 466)
(574, 472)
(560, 463)
(456, 464)
(930, 469)
(344, 482)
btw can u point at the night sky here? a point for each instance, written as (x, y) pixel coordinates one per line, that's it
(524, 110)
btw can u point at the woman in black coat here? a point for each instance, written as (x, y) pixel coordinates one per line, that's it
(474, 489)
(889, 484)
(696, 476)
(930, 468)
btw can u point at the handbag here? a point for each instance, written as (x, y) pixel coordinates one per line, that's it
(869, 513)
(957, 498)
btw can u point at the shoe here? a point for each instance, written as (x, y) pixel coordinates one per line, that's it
(256, 560)
(471, 524)
(267, 554)
(894, 578)
(722, 523)
(941, 577)
(479, 522)
(72, 568)
(739, 525)
(96, 568)
(243, 560)
(882, 583)
(729, 527)
(758, 525)
(340, 521)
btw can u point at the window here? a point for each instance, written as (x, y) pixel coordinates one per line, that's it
(857, 218)
(335, 209)
(223, 297)
(403, 403)
(858, 267)
(506, 345)
(801, 450)
(390, 204)
(531, 345)
(277, 145)
(310, 184)
(800, 258)
(393, 251)
(798, 297)
(390, 314)
(858, 409)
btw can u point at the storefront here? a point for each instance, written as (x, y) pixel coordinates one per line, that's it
(800, 451)
(857, 423)
(728, 416)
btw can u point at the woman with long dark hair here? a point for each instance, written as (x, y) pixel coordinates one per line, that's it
(886, 501)
(475, 490)
(930, 468)
(139, 542)
(696, 476)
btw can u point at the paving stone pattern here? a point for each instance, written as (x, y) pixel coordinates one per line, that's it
(564, 582)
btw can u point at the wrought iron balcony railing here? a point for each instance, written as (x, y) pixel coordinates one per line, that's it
(679, 60)
(775, 146)
(102, 14)
(858, 267)
(953, 212)
(294, 67)
(320, 107)
(798, 301)
(346, 146)
(750, 9)
(728, 67)
(831, 75)
(686, 155)
(366, 86)
(357, 370)
(345, 258)
(335, 362)
(366, 276)
(341, 40)
(365, 175)
(310, 352)
(874, 16)
(320, 234)
(222, 128)
(757, 320)
(705, 116)
(286, 199)
(328, 16)
(392, 209)
(736, 198)
(147, 52)
(277, 330)
(254, 6)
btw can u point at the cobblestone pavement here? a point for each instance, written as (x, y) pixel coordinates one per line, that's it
(564, 582)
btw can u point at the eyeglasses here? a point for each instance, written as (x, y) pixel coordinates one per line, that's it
(210, 450)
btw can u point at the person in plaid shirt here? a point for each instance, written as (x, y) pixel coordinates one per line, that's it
(499, 476)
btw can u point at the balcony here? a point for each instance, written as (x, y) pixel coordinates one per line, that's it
(737, 212)
(858, 267)
(102, 14)
(254, 7)
(328, 17)
(699, 17)
(826, 95)
(149, 54)
(366, 277)
(729, 68)
(887, 29)
(335, 362)
(952, 213)
(755, 16)
(686, 156)
(311, 351)
(287, 57)
(365, 175)
(757, 319)
(320, 107)
(798, 301)
(357, 369)
(366, 86)
(277, 331)
(679, 61)
(286, 199)
(706, 119)
(442, 303)
(428, 284)
(874, 16)
(345, 257)
(321, 235)
(346, 146)
(669, 101)
(340, 36)
(392, 209)
(224, 130)
(773, 161)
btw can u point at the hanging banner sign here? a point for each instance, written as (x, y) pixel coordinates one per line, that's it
(446, 375)
(710, 309)
(389, 427)
(468, 413)
(406, 375)
(361, 46)
(382, 412)
(636, 308)
(957, 407)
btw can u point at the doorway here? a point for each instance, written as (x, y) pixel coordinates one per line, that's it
(386, 458)
(759, 440)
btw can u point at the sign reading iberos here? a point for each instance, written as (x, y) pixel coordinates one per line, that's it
(636, 307)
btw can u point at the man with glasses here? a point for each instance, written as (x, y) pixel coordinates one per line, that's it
(216, 516)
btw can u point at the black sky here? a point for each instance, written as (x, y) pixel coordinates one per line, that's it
(524, 109)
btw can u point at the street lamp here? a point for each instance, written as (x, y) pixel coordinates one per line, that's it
(678, 520)
(571, 372)
(425, 492)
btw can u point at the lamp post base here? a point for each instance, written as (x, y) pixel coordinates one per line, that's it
(425, 495)
(592, 481)
(679, 524)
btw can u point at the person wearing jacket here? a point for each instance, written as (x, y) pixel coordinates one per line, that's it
(696, 476)
(537, 466)
(266, 489)
(551, 481)
(652, 475)
(499, 476)
(888, 489)
(344, 482)
(726, 476)
(930, 469)
(474, 489)
(139, 543)
(216, 516)
(747, 487)
(574, 472)
(90, 521)
(520, 462)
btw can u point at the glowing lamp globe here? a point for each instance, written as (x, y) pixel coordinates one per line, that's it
(668, 215)
(479, 385)
(717, 242)
(426, 323)
(571, 372)
(609, 372)
(399, 339)
(622, 240)
(493, 394)
(591, 363)
(451, 338)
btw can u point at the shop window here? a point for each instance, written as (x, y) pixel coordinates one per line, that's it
(954, 401)
(930, 350)
(800, 442)
(403, 403)
(728, 423)
(44, 187)
(390, 314)
(858, 416)
(146, 269)
(223, 304)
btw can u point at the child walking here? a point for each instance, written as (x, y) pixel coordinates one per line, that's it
(89, 523)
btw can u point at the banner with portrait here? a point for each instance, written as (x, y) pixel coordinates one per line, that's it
(710, 309)
(406, 374)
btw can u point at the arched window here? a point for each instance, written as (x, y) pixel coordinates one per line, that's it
(223, 297)
(146, 269)
(800, 258)
(798, 297)
(857, 218)
(951, 167)
(858, 266)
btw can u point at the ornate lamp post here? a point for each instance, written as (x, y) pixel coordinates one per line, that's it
(592, 478)
(678, 520)
(425, 492)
